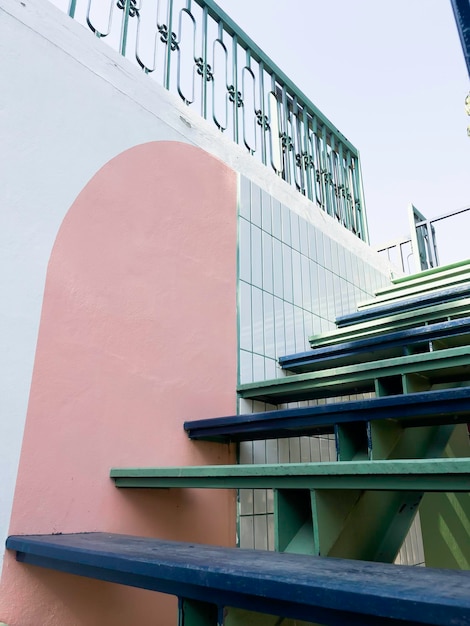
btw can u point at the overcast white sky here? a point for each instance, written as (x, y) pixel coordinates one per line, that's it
(392, 77)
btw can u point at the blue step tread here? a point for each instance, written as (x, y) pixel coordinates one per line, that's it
(449, 406)
(454, 332)
(327, 590)
(422, 301)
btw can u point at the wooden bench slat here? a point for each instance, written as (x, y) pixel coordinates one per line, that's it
(332, 591)
(436, 475)
(386, 345)
(449, 406)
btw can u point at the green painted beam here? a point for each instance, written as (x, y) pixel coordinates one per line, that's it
(443, 366)
(240, 617)
(197, 613)
(440, 475)
(398, 321)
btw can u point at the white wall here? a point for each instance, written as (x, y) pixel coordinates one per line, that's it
(68, 104)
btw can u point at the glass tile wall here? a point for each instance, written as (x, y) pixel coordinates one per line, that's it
(294, 280)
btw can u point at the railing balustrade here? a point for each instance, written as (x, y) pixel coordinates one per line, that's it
(195, 49)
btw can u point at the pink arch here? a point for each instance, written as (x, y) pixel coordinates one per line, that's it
(137, 334)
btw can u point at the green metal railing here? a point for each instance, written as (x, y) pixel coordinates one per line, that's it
(194, 49)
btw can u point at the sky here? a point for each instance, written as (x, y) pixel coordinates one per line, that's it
(391, 76)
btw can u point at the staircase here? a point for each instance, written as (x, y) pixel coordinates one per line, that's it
(406, 448)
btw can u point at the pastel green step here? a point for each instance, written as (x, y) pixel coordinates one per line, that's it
(435, 475)
(414, 290)
(434, 273)
(449, 367)
(390, 323)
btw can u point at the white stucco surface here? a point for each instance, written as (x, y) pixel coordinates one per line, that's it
(68, 104)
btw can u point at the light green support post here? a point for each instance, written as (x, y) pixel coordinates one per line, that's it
(239, 617)
(371, 525)
(365, 525)
(351, 441)
(293, 524)
(196, 613)
(445, 518)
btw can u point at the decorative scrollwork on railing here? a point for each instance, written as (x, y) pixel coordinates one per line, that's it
(286, 142)
(235, 96)
(327, 176)
(240, 88)
(262, 120)
(167, 38)
(201, 66)
(304, 159)
(133, 8)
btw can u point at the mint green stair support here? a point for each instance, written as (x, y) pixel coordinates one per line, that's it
(326, 508)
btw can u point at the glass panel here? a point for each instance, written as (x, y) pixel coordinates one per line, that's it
(276, 224)
(246, 367)
(297, 278)
(277, 268)
(245, 316)
(304, 228)
(244, 250)
(257, 320)
(256, 205)
(295, 232)
(245, 197)
(300, 335)
(306, 295)
(246, 501)
(256, 257)
(287, 272)
(267, 262)
(279, 326)
(285, 221)
(247, 537)
(312, 243)
(258, 368)
(261, 532)
(266, 212)
(320, 246)
(269, 339)
(289, 327)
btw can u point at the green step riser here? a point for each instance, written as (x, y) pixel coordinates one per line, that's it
(447, 365)
(400, 321)
(412, 292)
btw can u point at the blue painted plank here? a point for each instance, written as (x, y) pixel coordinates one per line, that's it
(422, 301)
(327, 590)
(449, 406)
(373, 348)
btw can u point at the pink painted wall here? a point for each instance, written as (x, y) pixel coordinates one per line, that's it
(137, 334)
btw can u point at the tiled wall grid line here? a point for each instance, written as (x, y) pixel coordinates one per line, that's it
(294, 280)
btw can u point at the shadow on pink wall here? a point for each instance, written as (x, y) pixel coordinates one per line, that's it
(137, 334)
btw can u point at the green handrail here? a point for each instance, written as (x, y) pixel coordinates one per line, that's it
(262, 108)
